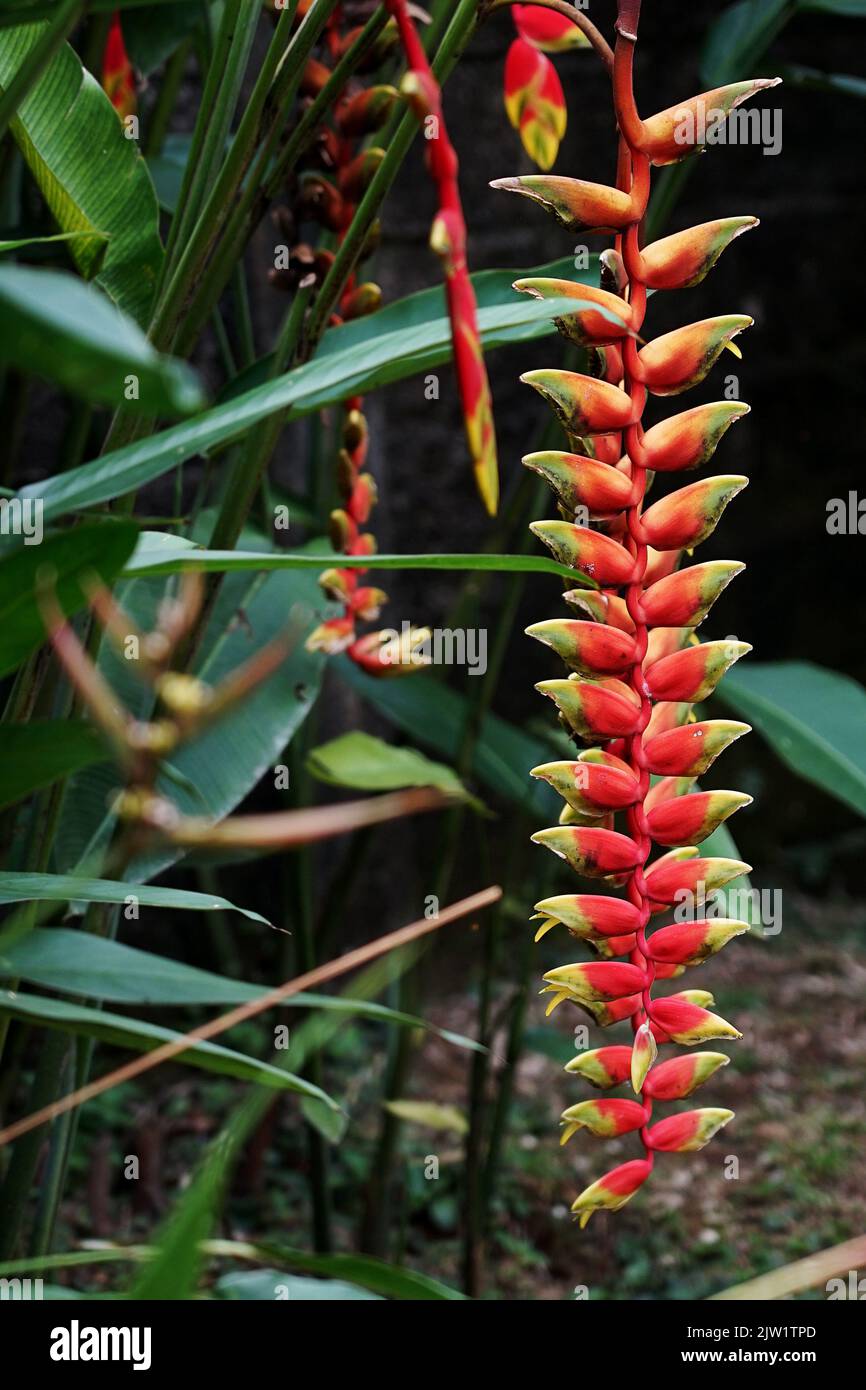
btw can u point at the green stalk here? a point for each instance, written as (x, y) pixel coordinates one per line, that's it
(245, 216)
(169, 89)
(456, 38)
(219, 100)
(65, 18)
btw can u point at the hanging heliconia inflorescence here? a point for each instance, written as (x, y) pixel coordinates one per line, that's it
(534, 99)
(637, 667)
(118, 78)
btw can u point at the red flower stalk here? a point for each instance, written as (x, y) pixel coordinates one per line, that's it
(118, 79)
(636, 664)
(448, 240)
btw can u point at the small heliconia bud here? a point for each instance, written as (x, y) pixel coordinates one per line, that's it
(643, 1054)
(337, 584)
(590, 789)
(684, 1022)
(364, 299)
(684, 129)
(664, 641)
(667, 716)
(679, 360)
(666, 789)
(579, 481)
(582, 404)
(613, 1190)
(588, 648)
(693, 674)
(688, 820)
(356, 177)
(367, 111)
(593, 710)
(604, 1067)
(602, 317)
(688, 516)
(689, 943)
(363, 498)
(687, 1132)
(593, 980)
(677, 1078)
(585, 914)
(611, 946)
(596, 556)
(601, 608)
(595, 853)
(677, 873)
(683, 599)
(660, 563)
(342, 529)
(580, 206)
(606, 1118)
(680, 261)
(367, 602)
(332, 637)
(690, 439)
(689, 750)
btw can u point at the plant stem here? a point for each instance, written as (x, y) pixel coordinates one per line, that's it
(169, 89)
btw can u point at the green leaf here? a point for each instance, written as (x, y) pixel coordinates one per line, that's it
(370, 764)
(151, 560)
(76, 962)
(740, 37)
(151, 32)
(100, 548)
(58, 328)
(796, 75)
(429, 1114)
(93, 179)
(37, 754)
(330, 377)
(270, 1284)
(738, 896)
(811, 717)
(140, 1036)
(67, 888)
(854, 8)
(437, 716)
(39, 240)
(167, 170)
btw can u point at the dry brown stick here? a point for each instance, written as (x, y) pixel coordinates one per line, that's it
(351, 961)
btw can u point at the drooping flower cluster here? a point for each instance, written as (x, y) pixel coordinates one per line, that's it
(636, 665)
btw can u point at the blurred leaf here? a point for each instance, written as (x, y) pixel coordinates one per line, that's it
(270, 1284)
(816, 1270)
(93, 179)
(139, 1036)
(738, 896)
(76, 962)
(333, 375)
(167, 169)
(855, 8)
(96, 548)
(428, 1113)
(359, 760)
(37, 754)
(812, 718)
(740, 37)
(172, 555)
(66, 888)
(40, 240)
(151, 32)
(68, 332)
(437, 716)
(812, 78)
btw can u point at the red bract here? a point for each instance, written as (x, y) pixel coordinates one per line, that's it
(637, 664)
(118, 80)
(534, 99)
